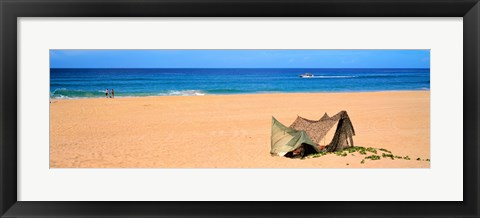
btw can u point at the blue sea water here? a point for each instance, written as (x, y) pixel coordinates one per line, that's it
(91, 83)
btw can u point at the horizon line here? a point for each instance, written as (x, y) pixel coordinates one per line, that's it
(239, 68)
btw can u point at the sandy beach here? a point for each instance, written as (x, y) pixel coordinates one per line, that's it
(231, 131)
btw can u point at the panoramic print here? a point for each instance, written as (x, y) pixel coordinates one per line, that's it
(239, 108)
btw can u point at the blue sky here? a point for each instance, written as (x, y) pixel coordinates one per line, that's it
(240, 58)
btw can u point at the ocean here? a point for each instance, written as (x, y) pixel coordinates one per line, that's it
(91, 83)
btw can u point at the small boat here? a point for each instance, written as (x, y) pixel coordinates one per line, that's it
(306, 75)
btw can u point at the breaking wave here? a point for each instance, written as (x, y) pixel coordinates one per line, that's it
(184, 93)
(63, 93)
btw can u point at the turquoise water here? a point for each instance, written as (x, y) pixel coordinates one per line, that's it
(91, 83)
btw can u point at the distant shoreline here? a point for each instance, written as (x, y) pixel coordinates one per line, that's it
(240, 94)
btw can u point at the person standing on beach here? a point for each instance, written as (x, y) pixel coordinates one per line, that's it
(113, 94)
(106, 93)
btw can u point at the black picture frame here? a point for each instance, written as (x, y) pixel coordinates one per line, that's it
(10, 10)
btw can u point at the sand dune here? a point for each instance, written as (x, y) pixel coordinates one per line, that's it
(230, 131)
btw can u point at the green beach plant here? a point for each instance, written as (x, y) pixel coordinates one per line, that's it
(373, 157)
(363, 151)
(373, 150)
(388, 155)
(385, 150)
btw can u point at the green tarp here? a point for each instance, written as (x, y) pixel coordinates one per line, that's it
(285, 139)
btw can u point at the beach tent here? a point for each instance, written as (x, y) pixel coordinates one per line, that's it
(335, 133)
(285, 140)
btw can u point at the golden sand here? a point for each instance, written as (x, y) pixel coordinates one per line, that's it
(230, 131)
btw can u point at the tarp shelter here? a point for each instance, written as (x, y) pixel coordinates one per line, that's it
(335, 133)
(285, 140)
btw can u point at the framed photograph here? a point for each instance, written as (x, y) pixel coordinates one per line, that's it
(227, 108)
